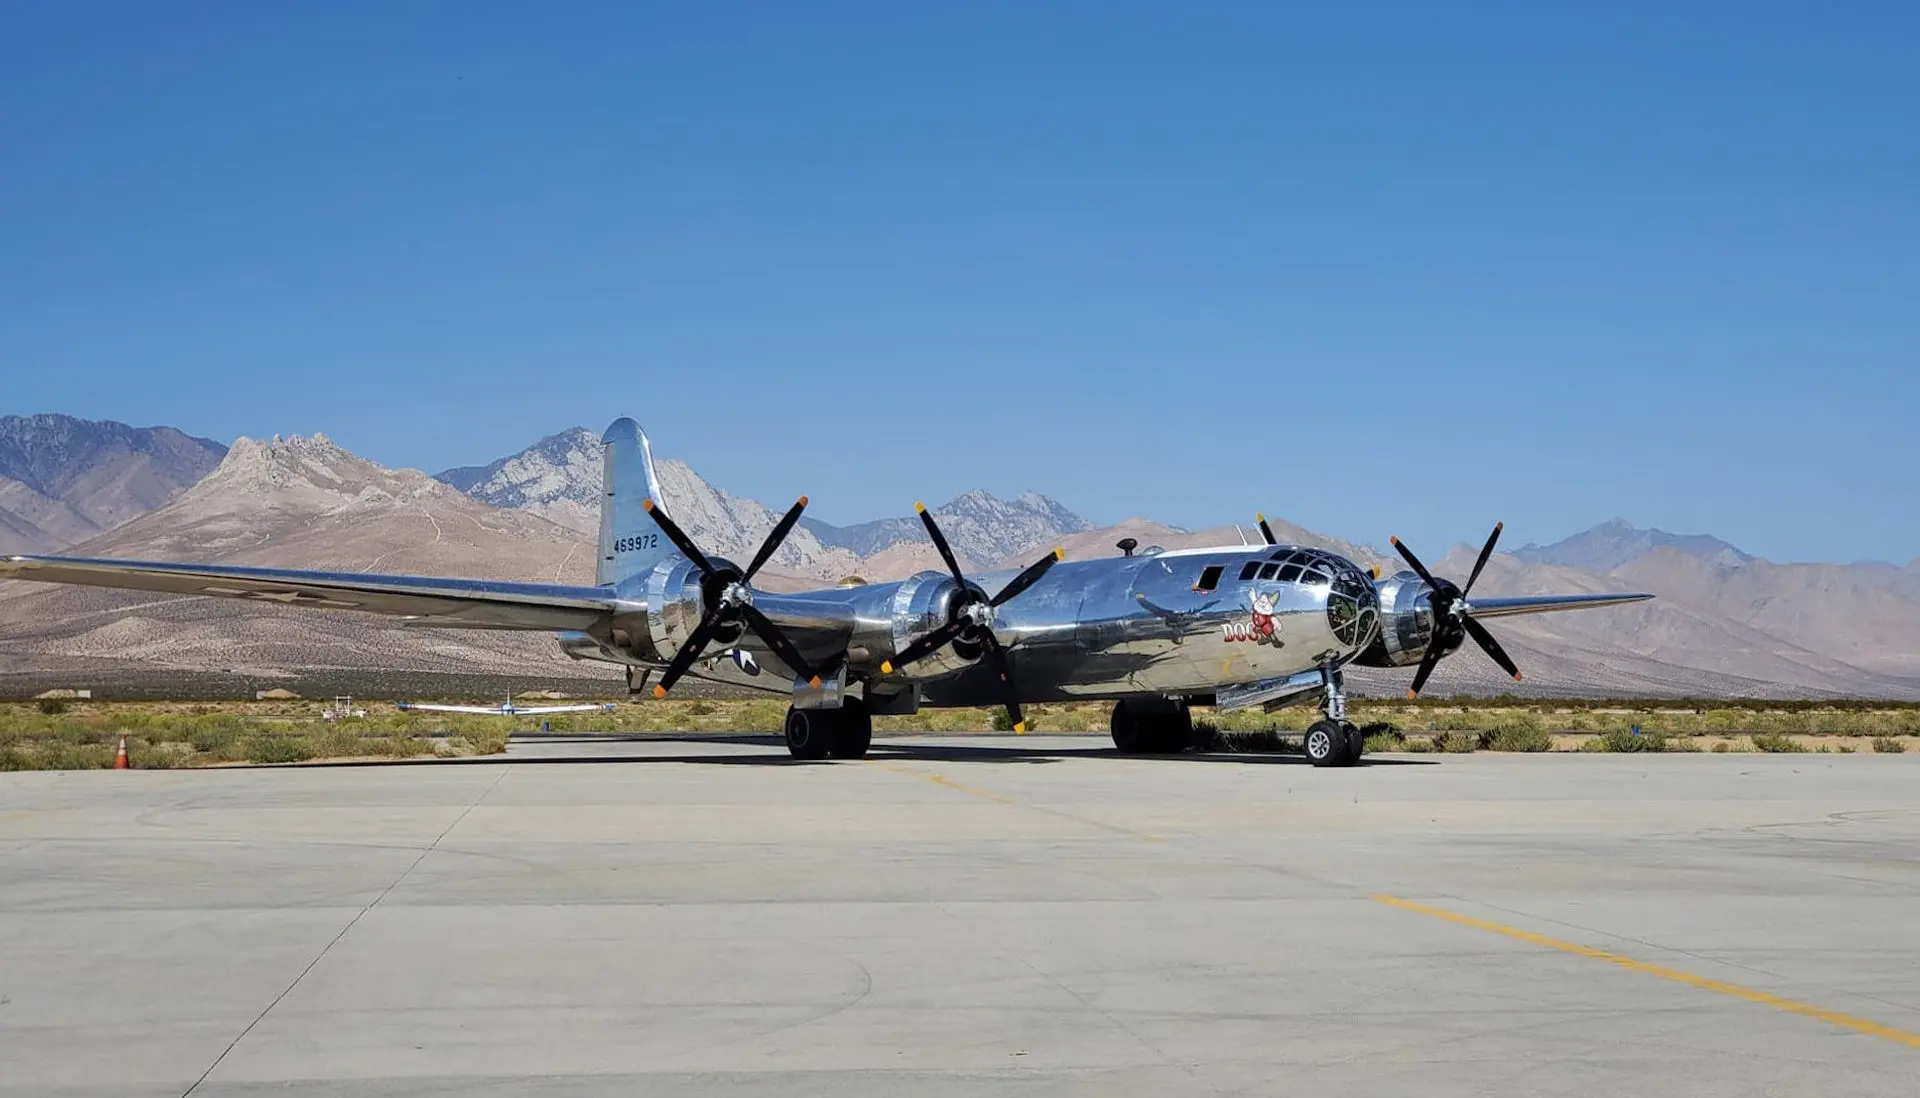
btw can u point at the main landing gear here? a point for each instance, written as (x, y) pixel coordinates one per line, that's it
(1334, 740)
(1143, 728)
(843, 733)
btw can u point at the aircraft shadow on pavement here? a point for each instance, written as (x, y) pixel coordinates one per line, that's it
(770, 750)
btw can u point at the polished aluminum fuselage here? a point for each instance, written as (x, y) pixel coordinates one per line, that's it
(1173, 623)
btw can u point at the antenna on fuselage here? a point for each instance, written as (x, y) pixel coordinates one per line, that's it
(1126, 546)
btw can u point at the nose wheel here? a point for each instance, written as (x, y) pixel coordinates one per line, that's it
(1333, 743)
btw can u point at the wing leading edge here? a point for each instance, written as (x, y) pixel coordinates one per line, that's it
(422, 600)
(1540, 604)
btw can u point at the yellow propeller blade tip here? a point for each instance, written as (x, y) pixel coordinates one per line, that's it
(1259, 516)
(918, 506)
(886, 667)
(1059, 552)
(1376, 571)
(659, 691)
(1020, 729)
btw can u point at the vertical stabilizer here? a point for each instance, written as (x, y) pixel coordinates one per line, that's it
(630, 542)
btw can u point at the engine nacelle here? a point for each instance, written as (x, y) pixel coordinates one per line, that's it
(1406, 623)
(676, 603)
(918, 607)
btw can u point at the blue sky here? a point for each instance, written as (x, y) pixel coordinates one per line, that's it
(1381, 269)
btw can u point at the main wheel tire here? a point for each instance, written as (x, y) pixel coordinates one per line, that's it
(1126, 725)
(1325, 744)
(1172, 732)
(855, 733)
(811, 733)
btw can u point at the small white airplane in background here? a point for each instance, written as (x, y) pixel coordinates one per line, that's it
(508, 709)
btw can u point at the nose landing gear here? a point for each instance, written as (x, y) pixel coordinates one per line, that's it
(1335, 740)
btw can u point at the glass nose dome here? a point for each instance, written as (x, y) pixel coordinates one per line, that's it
(1353, 607)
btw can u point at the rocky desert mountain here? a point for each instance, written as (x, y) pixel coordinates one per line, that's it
(298, 502)
(64, 480)
(1726, 622)
(560, 478)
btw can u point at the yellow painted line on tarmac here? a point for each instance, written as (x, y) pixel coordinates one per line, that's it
(1746, 994)
(989, 795)
(937, 779)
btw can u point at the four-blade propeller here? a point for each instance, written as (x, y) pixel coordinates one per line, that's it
(970, 618)
(729, 599)
(1453, 615)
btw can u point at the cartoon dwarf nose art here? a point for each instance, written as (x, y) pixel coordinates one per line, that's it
(1261, 626)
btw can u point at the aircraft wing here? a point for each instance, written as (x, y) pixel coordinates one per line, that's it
(495, 711)
(1540, 604)
(564, 709)
(423, 600)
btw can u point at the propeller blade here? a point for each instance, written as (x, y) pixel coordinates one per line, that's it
(689, 652)
(1265, 530)
(1415, 561)
(940, 543)
(677, 536)
(925, 646)
(776, 639)
(1028, 578)
(780, 531)
(997, 656)
(1492, 647)
(1427, 663)
(1485, 552)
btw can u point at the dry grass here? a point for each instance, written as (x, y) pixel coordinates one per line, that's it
(83, 734)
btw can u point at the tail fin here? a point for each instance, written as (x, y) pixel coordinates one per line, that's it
(630, 543)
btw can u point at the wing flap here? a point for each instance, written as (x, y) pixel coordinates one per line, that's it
(421, 600)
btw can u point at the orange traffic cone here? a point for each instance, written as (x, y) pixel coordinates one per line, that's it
(120, 757)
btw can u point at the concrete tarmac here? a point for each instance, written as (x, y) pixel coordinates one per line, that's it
(964, 916)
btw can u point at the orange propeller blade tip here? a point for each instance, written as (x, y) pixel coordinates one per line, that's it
(803, 501)
(646, 505)
(886, 667)
(1516, 676)
(1411, 695)
(1393, 539)
(814, 682)
(659, 691)
(1499, 526)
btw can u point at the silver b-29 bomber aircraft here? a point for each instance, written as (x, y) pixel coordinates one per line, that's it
(1156, 632)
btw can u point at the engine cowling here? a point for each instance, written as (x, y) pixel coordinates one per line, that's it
(1406, 623)
(919, 606)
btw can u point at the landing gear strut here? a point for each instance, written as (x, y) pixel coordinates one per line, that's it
(1140, 728)
(843, 733)
(1334, 740)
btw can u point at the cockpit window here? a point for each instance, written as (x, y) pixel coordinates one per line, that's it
(1268, 569)
(1290, 573)
(1251, 567)
(1315, 577)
